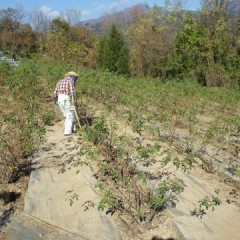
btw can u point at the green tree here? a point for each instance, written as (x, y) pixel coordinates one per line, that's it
(151, 39)
(206, 45)
(215, 19)
(103, 55)
(58, 39)
(190, 47)
(122, 63)
(113, 52)
(115, 44)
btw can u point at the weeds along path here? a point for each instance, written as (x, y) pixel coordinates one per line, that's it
(61, 194)
(207, 208)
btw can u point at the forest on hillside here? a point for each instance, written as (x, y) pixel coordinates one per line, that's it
(163, 43)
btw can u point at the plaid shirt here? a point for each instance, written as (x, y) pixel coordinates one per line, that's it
(64, 86)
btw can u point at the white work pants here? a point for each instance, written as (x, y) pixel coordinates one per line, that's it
(66, 107)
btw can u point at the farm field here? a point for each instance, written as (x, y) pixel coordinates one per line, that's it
(164, 154)
(155, 154)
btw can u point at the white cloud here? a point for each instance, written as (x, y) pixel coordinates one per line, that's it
(113, 5)
(132, 2)
(125, 1)
(49, 12)
(107, 8)
(139, 1)
(85, 13)
(101, 7)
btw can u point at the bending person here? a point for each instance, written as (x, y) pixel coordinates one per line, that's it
(64, 95)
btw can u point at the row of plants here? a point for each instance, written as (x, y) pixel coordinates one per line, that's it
(126, 186)
(135, 195)
(124, 190)
(209, 116)
(148, 96)
(24, 114)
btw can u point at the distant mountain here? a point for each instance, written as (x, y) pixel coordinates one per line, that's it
(124, 18)
(234, 7)
(121, 19)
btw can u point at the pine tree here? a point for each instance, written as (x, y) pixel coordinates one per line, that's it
(123, 61)
(103, 53)
(113, 52)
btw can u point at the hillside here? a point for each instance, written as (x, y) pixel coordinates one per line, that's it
(121, 19)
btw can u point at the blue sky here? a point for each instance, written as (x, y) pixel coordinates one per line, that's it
(89, 9)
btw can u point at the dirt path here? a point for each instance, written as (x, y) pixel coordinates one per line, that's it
(61, 195)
